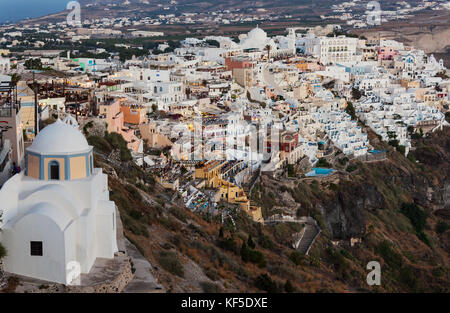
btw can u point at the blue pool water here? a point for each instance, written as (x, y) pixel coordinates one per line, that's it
(377, 151)
(317, 171)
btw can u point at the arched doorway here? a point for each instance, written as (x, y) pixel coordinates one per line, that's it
(54, 170)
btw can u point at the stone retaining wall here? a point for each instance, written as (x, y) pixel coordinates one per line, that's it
(118, 284)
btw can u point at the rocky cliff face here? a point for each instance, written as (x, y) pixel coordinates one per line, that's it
(345, 216)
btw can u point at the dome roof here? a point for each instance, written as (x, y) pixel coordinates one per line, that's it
(257, 34)
(59, 138)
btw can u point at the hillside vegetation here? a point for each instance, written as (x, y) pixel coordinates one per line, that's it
(397, 208)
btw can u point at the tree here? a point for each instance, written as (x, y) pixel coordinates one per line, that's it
(245, 253)
(250, 242)
(15, 78)
(33, 64)
(356, 93)
(214, 43)
(221, 232)
(288, 287)
(264, 282)
(392, 135)
(401, 149)
(268, 48)
(350, 110)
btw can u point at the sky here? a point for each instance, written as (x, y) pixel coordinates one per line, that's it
(14, 10)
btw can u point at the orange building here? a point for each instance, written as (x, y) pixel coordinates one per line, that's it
(133, 114)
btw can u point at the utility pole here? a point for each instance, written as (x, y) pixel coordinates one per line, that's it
(76, 106)
(36, 107)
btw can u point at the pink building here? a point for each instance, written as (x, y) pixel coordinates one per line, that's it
(114, 119)
(386, 53)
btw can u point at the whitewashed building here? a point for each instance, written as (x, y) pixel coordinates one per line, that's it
(57, 216)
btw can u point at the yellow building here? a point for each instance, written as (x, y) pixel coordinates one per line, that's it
(4, 52)
(210, 171)
(229, 192)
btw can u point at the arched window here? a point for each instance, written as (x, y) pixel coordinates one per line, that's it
(54, 170)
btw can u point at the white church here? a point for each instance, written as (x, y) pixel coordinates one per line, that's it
(57, 216)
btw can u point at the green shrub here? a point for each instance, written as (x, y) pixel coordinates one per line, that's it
(347, 253)
(424, 238)
(288, 287)
(169, 261)
(250, 242)
(135, 214)
(179, 214)
(265, 242)
(351, 168)
(393, 143)
(208, 287)
(323, 163)
(133, 225)
(401, 149)
(417, 216)
(264, 282)
(170, 223)
(254, 256)
(334, 187)
(134, 192)
(341, 265)
(199, 231)
(442, 227)
(290, 170)
(411, 157)
(100, 144)
(228, 244)
(314, 261)
(389, 255)
(116, 140)
(86, 127)
(343, 161)
(212, 274)
(350, 109)
(408, 277)
(296, 257)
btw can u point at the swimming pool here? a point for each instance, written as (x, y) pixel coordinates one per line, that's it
(317, 171)
(377, 151)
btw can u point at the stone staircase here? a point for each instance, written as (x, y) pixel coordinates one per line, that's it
(247, 187)
(310, 234)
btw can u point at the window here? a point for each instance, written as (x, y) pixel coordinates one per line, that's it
(36, 248)
(54, 170)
